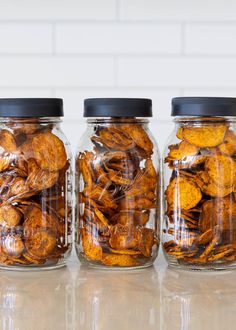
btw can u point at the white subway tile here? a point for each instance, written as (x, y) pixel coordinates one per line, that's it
(74, 99)
(118, 38)
(178, 10)
(213, 39)
(25, 38)
(56, 72)
(177, 72)
(58, 10)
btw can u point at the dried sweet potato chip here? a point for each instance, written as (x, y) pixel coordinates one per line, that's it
(182, 150)
(91, 246)
(7, 141)
(124, 237)
(9, 216)
(228, 147)
(41, 244)
(205, 136)
(52, 157)
(110, 259)
(209, 187)
(115, 138)
(139, 136)
(221, 170)
(182, 194)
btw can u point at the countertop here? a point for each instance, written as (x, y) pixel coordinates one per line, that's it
(77, 297)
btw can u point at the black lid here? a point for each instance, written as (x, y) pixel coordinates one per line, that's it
(203, 106)
(117, 107)
(31, 107)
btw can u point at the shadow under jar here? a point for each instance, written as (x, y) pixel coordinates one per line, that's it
(199, 227)
(35, 185)
(117, 186)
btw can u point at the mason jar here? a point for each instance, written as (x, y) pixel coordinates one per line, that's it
(199, 223)
(35, 185)
(117, 185)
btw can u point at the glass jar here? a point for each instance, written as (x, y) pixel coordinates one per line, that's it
(117, 186)
(199, 227)
(35, 185)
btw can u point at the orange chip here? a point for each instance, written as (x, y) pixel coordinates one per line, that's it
(182, 150)
(109, 259)
(91, 246)
(146, 242)
(228, 147)
(139, 136)
(182, 193)
(219, 211)
(9, 216)
(204, 238)
(221, 170)
(7, 141)
(115, 138)
(51, 158)
(128, 252)
(124, 237)
(39, 179)
(209, 187)
(41, 244)
(205, 136)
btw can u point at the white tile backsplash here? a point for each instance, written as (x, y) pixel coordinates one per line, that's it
(77, 49)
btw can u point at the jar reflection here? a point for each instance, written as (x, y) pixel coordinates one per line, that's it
(116, 300)
(36, 300)
(197, 301)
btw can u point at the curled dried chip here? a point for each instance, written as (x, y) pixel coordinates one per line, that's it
(146, 241)
(228, 147)
(51, 158)
(139, 136)
(41, 244)
(115, 138)
(124, 237)
(209, 187)
(221, 170)
(9, 216)
(127, 251)
(182, 150)
(110, 259)
(205, 136)
(91, 246)
(7, 141)
(39, 179)
(219, 211)
(182, 194)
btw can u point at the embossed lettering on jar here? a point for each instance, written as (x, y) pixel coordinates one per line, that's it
(35, 190)
(117, 185)
(199, 227)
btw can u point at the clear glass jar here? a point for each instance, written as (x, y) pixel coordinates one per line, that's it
(117, 186)
(199, 226)
(35, 190)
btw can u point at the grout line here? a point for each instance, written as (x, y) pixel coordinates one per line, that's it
(118, 10)
(123, 21)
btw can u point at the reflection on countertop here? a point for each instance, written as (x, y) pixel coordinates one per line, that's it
(77, 297)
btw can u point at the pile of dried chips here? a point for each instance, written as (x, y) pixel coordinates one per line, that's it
(200, 225)
(118, 213)
(34, 213)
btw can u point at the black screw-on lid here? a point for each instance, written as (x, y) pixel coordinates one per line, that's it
(203, 106)
(117, 107)
(31, 107)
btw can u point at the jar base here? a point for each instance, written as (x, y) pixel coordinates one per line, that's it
(32, 268)
(200, 268)
(85, 262)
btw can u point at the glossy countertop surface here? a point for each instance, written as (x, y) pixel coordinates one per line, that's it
(77, 297)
